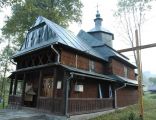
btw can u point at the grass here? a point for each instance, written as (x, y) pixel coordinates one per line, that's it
(131, 112)
(6, 102)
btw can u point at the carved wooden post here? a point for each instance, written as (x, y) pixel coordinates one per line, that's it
(39, 87)
(66, 93)
(11, 85)
(15, 85)
(23, 89)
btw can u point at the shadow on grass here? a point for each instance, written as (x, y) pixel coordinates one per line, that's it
(153, 97)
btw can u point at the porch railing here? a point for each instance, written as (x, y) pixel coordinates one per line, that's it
(75, 105)
(49, 104)
(14, 101)
(86, 105)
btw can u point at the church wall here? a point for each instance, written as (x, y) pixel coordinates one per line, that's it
(80, 61)
(127, 96)
(116, 67)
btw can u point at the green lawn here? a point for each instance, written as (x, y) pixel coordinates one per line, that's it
(131, 113)
(6, 102)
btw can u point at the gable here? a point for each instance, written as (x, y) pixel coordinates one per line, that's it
(38, 35)
(46, 33)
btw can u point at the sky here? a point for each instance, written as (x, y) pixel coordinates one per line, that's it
(106, 9)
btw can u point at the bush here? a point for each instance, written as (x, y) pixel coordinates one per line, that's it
(130, 116)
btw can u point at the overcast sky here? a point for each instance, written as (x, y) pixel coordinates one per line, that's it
(106, 9)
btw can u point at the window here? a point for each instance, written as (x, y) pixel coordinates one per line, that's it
(91, 66)
(125, 71)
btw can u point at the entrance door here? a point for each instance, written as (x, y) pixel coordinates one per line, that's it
(47, 90)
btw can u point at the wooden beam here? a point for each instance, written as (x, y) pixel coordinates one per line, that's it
(139, 78)
(139, 47)
(11, 86)
(15, 85)
(23, 89)
(35, 67)
(39, 87)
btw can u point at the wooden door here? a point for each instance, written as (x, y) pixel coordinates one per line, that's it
(48, 87)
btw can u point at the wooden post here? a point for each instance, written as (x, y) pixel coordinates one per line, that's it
(140, 90)
(15, 85)
(66, 93)
(11, 85)
(23, 89)
(39, 87)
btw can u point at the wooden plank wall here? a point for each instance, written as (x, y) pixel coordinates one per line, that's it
(127, 96)
(80, 61)
(118, 69)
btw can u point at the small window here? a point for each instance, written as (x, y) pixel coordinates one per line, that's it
(125, 71)
(91, 66)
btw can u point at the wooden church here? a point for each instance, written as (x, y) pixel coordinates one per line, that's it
(60, 73)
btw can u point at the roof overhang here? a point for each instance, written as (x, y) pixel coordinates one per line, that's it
(124, 61)
(125, 80)
(79, 72)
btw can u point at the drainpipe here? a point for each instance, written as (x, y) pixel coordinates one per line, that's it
(67, 94)
(13, 62)
(58, 55)
(116, 94)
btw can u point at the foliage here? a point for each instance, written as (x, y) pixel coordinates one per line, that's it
(152, 80)
(131, 112)
(8, 2)
(130, 116)
(24, 14)
(4, 69)
(131, 15)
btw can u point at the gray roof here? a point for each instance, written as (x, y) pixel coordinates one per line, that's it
(90, 74)
(98, 25)
(113, 78)
(45, 33)
(104, 50)
(99, 29)
(89, 39)
(124, 80)
(152, 88)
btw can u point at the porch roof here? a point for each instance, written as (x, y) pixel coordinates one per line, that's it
(124, 80)
(112, 78)
(90, 74)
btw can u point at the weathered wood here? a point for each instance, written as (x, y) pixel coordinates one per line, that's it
(11, 86)
(130, 93)
(15, 85)
(39, 87)
(87, 105)
(139, 47)
(46, 103)
(23, 89)
(15, 101)
(36, 67)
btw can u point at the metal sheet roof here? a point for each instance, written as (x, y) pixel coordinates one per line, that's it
(90, 74)
(124, 80)
(114, 78)
(99, 46)
(89, 39)
(100, 29)
(45, 32)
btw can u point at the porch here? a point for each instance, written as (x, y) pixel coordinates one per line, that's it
(60, 96)
(75, 105)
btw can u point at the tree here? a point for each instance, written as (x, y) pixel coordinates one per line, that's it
(8, 2)
(4, 69)
(24, 14)
(152, 80)
(131, 15)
